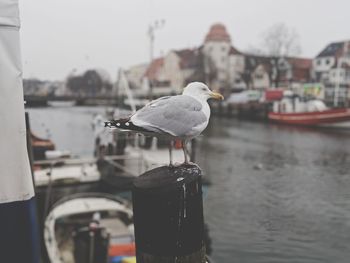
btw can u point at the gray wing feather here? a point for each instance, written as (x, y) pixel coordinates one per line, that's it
(176, 115)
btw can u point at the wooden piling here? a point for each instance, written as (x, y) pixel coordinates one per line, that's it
(29, 146)
(168, 215)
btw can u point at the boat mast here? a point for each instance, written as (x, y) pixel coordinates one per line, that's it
(158, 24)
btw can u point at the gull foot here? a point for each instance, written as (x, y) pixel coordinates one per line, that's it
(172, 165)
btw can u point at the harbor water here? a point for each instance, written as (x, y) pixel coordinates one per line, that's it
(278, 193)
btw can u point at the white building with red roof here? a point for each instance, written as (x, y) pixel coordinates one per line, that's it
(222, 57)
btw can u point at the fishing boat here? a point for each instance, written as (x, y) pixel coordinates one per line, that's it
(57, 178)
(61, 104)
(294, 110)
(90, 227)
(40, 146)
(45, 149)
(78, 172)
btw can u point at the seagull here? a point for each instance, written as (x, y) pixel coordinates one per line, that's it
(181, 117)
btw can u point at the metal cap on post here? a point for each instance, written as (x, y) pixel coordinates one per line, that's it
(168, 215)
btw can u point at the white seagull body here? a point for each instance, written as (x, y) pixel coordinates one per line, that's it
(176, 117)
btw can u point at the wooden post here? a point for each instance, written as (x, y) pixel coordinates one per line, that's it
(168, 215)
(29, 146)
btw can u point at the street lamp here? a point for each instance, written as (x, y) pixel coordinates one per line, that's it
(157, 24)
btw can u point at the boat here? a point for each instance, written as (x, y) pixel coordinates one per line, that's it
(40, 146)
(54, 179)
(294, 110)
(64, 173)
(93, 227)
(61, 104)
(90, 227)
(45, 149)
(244, 97)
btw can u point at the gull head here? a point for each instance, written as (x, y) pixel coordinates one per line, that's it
(201, 91)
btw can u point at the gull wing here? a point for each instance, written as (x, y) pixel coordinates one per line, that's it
(176, 115)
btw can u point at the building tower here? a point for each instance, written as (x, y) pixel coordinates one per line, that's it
(216, 49)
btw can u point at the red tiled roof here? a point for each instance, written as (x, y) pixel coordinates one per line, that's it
(302, 63)
(153, 68)
(217, 32)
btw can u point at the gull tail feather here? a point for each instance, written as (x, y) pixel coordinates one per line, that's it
(124, 124)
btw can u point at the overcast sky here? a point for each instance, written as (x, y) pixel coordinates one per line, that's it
(59, 35)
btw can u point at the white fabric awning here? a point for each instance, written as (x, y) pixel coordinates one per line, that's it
(15, 175)
(9, 15)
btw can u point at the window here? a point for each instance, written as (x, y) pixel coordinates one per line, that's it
(318, 62)
(252, 61)
(328, 61)
(223, 49)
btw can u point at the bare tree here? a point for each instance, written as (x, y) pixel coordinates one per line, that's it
(279, 42)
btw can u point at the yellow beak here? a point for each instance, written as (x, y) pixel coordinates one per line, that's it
(216, 96)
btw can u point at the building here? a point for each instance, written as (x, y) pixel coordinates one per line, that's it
(222, 59)
(169, 74)
(222, 66)
(333, 56)
(263, 72)
(135, 75)
(332, 68)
